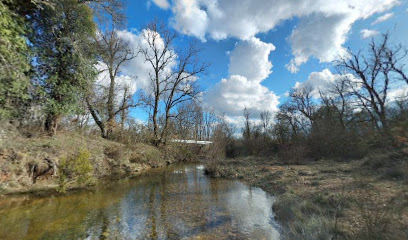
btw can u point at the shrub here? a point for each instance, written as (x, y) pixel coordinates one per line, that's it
(76, 169)
(293, 153)
(216, 152)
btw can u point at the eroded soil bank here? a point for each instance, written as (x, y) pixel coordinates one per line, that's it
(70, 161)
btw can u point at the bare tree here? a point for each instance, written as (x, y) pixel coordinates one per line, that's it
(173, 76)
(372, 82)
(396, 57)
(303, 102)
(339, 98)
(160, 56)
(289, 123)
(113, 52)
(189, 120)
(182, 86)
(247, 129)
(265, 118)
(209, 119)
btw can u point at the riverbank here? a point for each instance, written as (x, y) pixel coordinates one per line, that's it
(72, 160)
(364, 199)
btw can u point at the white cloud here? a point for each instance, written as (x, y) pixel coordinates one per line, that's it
(249, 66)
(103, 81)
(135, 73)
(138, 68)
(367, 33)
(250, 59)
(398, 94)
(321, 33)
(321, 82)
(189, 18)
(320, 36)
(237, 93)
(162, 3)
(383, 18)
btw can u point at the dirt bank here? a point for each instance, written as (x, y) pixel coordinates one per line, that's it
(70, 160)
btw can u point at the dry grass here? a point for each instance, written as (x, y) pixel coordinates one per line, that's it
(108, 158)
(328, 199)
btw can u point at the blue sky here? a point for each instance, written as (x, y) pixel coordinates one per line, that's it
(311, 35)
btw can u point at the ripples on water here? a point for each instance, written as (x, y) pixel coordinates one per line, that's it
(178, 202)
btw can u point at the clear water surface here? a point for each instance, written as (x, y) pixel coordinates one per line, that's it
(178, 202)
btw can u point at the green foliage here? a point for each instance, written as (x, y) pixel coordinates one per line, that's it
(65, 63)
(77, 168)
(14, 63)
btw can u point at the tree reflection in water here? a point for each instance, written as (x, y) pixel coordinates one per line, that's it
(172, 203)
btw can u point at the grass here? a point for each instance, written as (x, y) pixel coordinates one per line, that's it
(329, 199)
(106, 158)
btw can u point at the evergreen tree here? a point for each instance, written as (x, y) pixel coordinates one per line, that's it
(14, 61)
(65, 61)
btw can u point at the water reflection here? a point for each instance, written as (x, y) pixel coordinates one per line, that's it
(175, 203)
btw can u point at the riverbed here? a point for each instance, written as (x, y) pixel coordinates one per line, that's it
(176, 202)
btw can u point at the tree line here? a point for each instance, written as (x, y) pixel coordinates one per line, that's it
(52, 52)
(358, 112)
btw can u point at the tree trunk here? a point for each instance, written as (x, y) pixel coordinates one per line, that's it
(155, 126)
(164, 132)
(97, 120)
(51, 124)
(110, 105)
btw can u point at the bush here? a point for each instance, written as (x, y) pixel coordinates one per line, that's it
(293, 153)
(216, 152)
(76, 169)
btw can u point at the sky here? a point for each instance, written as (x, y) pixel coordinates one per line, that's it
(258, 50)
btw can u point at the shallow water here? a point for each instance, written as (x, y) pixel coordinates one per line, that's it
(178, 202)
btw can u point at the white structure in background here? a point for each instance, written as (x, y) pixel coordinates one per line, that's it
(191, 141)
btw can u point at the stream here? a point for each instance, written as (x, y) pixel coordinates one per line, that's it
(176, 202)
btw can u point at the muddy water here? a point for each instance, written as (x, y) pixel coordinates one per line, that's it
(178, 202)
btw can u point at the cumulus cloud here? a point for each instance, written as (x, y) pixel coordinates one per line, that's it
(323, 22)
(249, 66)
(189, 18)
(383, 18)
(250, 59)
(367, 33)
(321, 82)
(136, 68)
(237, 93)
(320, 36)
